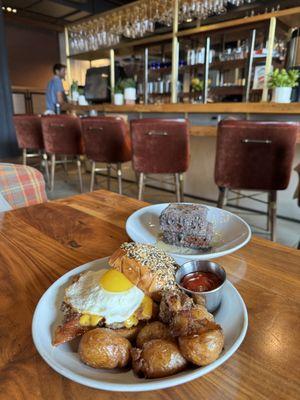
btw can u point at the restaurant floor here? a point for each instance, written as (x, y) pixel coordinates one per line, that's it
(288, 232)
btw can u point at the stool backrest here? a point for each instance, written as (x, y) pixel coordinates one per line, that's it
(160, 145)
(255, 155)
(62, 134)
(29, 131)
(106, 139)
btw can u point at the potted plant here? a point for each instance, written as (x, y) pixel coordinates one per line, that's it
(129, 86)
(197, 86)
(282, 82)
(118, 95)
(74, 91)
(81, 98)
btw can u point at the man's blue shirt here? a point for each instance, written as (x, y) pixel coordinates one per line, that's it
(54, 86)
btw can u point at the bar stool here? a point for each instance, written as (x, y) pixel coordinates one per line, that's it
(30, 137)
(160, 146)
(254, 156)
(62, 136)
(106, 140)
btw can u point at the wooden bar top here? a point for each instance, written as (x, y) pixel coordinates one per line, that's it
(39, 244)
(182, 108)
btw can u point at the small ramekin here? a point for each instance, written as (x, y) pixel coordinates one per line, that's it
(212, 298)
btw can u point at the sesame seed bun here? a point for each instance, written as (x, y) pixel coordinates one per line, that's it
(146, 266)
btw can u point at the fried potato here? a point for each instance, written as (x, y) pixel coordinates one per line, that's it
(173, 301)
(104, 348)
(186, 322)
(153, 330)
(202, 349)
(157, 359)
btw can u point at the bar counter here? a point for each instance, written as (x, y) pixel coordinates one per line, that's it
(209, 108)
(200, 126)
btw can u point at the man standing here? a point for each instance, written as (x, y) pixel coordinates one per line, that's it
(55, 93)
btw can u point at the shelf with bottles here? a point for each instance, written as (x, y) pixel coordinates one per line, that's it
(229, 64)
(230, 93)
(232, 55)
(228, 61)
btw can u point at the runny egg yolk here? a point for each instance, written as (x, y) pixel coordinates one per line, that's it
(147, 307)
(146, 313)
(115, 281)
(89, 320)
(131, 321)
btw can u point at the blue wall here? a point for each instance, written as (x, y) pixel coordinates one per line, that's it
(8, 144)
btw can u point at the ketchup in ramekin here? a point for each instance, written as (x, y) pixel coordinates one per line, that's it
(201, 281)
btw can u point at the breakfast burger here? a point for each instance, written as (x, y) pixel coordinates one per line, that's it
(119, 298)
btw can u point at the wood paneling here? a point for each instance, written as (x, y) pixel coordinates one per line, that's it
(32, 52)
(40, 243)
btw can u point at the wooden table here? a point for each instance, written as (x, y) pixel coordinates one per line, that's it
(39, 244)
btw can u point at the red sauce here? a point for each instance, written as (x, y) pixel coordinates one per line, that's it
(201, 281)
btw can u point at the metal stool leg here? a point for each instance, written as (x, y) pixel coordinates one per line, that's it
(108, 176)
(119, 173)
(269, 212)
(222, 197)
(52, 172)
(45, 158)
(24, 156)
(141, 186)
(177, 189)
(65, 165)
(92, 176)
(273, 214)
(181, 187)
(79, 174)
(137, 178)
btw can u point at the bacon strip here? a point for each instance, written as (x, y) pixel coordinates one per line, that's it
(68, 330)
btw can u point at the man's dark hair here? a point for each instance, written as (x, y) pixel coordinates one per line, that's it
(58, 67)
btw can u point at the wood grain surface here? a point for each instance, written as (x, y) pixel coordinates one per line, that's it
(179, 108)
(39, 244)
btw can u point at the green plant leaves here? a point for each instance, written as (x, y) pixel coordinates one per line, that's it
(283, 78)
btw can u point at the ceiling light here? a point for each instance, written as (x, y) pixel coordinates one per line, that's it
(189, 20)
(9, 9)
(14, 10)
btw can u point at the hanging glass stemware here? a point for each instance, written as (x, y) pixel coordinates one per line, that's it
(139, 19)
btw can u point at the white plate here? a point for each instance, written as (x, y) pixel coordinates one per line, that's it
(232, 316)
(230, 232)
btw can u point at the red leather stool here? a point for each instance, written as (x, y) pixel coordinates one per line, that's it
(62, 136)
(255, 156)
(106, 140)
(30, 137)
(160, 146)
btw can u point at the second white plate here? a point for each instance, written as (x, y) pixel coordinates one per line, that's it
(230, 232)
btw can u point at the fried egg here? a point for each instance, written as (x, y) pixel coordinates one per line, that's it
(106, 294)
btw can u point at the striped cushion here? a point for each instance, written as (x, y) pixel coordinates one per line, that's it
(21, 186)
